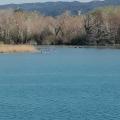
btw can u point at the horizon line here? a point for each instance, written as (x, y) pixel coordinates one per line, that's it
(48, 2)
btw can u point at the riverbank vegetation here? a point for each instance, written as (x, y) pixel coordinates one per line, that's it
(17, 48)
(99, 27)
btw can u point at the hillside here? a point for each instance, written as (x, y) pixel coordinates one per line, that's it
(57, 8)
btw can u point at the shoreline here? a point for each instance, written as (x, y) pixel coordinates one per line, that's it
(34, 48)
(84, 46)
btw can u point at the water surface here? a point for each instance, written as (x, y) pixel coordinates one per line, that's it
(60, 83)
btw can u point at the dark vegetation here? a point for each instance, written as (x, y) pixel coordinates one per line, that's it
(98, 27)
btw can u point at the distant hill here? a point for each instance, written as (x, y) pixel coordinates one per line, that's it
(57, 8)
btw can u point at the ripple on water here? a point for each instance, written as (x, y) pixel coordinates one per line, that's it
(61, 83)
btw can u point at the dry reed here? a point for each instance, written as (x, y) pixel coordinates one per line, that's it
(17, 48)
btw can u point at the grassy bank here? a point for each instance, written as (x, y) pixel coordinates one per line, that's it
(17, 48)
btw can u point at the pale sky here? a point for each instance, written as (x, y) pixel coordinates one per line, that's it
(30, 1)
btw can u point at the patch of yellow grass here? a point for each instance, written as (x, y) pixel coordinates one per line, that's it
(17, 48)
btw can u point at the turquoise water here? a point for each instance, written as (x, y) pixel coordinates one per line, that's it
(60, 84)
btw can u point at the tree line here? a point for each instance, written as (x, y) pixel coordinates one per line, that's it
(98, 27)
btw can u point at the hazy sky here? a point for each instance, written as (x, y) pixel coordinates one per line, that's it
(28, 1)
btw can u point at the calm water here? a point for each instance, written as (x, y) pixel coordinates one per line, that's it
(60, 84)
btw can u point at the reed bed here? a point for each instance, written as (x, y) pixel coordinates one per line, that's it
(17, 48)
